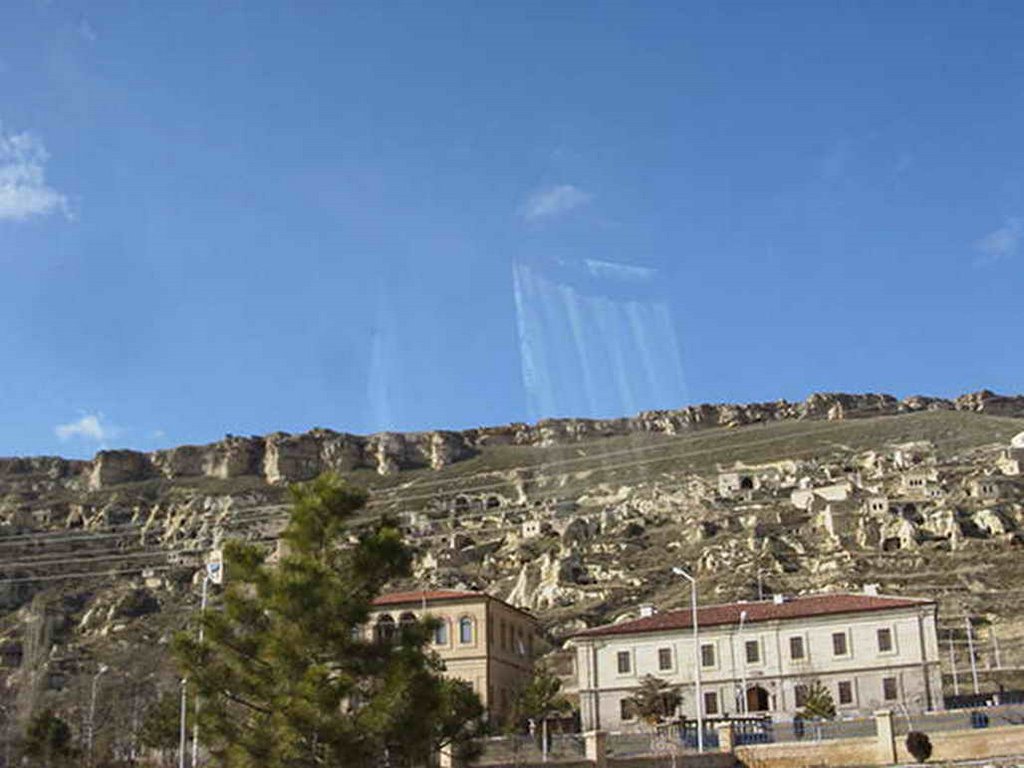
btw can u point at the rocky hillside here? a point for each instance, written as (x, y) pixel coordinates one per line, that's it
(577, 520)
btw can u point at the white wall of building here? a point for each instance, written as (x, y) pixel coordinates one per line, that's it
(912, 661)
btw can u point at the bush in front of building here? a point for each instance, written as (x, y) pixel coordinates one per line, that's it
(919, 745)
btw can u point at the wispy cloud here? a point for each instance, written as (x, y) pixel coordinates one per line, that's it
(1001, 243)
(553, 201)
(90, 427)
(23, 189)
(86, 30)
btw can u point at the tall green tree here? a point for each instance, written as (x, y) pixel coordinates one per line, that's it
(541, 698)
(656, 700)
(160, 725)
(819, 703)
(288, 674)
(48, 740)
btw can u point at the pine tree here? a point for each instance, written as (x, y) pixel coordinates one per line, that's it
(656, 700)
(48, 740)
(287, 675)
(819, 703)
(160, 724)
(541, 698)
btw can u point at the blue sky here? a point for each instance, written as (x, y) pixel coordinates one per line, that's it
(237, 217)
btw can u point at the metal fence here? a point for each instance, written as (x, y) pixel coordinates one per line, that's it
(518, 749)
(676, 738)
(823, 730)
(959, 719)
(975, 700)
(681, 738)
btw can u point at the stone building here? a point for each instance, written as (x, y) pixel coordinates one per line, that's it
(1011, 460)
(804, 498)
(984, 488)
(482, 640)
(737, 483)
(919, 483)
(869, 651)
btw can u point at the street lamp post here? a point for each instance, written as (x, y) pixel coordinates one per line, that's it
(183, 731)
(214, 574)
(696, 655)
(744, 704)
(970, 653)
(195, 716)
(90, 734)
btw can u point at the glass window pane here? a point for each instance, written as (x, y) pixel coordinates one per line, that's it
(753, 651)
(796, 647)
(707, 655)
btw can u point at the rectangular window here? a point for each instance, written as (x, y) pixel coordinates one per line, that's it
(627, 709)
(839, 646)
(664, 658)
(884, 640)
(753, 651)
(796, 648)
(710, 703)
(624, 662)
(845, 692)
(889, 689)
(800, 691)
(707, 655)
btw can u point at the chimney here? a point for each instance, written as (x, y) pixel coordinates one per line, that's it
(778, 599)
(647, 610)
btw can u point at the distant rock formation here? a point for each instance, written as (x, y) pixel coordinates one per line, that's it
(281, 458)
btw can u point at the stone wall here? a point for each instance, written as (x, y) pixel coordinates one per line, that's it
(886, 748)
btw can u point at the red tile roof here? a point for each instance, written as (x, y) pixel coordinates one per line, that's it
(418, 596)
(792, 608)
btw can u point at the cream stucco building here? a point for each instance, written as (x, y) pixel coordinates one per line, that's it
(482, 640)
(869, 651)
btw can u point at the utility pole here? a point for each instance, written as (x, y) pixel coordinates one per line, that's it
(696, 655)
(970, 651)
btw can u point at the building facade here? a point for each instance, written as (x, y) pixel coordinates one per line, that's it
(870, 651)
(481, 639)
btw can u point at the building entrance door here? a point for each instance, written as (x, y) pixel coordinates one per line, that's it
(757, 699)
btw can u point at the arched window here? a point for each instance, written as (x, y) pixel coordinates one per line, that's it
(385, 629)
(465, 630)
(407, 620)
(441, 633)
